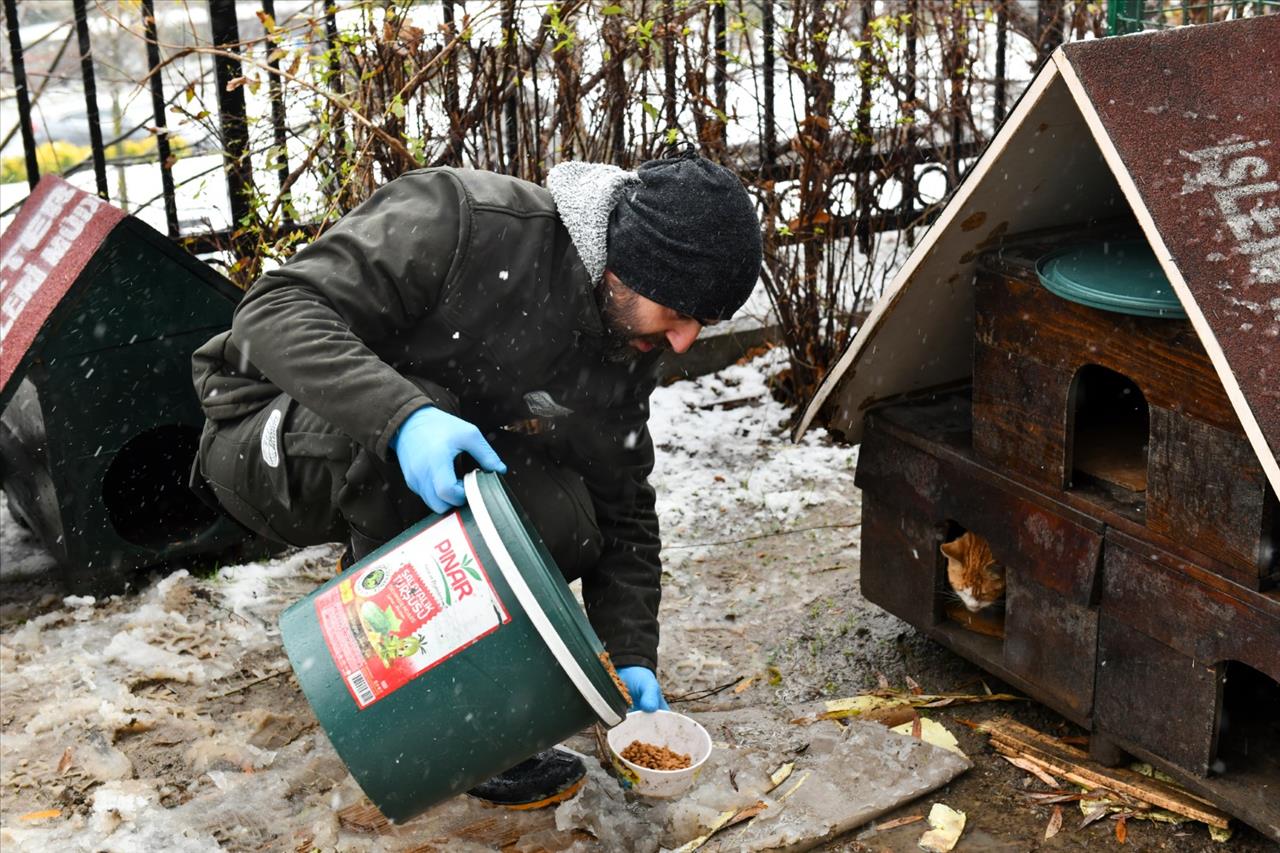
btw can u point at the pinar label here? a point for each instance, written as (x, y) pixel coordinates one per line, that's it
(406, 612)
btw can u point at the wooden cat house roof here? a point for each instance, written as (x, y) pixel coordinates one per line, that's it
(1182, 127)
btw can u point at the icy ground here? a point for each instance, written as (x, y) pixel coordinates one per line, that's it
(168, 719)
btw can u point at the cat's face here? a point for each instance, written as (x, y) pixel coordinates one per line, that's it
(975, 577)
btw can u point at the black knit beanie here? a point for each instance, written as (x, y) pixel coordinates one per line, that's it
(687, 237)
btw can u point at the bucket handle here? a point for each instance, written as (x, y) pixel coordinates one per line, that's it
(529, 603)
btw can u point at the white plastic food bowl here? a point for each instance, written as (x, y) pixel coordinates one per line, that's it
(660, 728)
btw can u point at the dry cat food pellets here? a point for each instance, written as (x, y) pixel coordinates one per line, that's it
(655, 757)
(613, 673)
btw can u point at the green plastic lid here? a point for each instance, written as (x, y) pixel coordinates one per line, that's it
(1113, 275)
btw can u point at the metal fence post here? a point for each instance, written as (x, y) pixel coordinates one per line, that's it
(91, 97)
(157, 107)
(231, 109)
(718, 15)
(20, 85)
(277, 102)
(770, 142)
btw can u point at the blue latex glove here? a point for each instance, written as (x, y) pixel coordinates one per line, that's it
(426, 445)
(642, 684)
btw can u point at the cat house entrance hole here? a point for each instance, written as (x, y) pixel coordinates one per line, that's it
(1249, 725)
(145, 488)
(1110, 426)
(987, 621)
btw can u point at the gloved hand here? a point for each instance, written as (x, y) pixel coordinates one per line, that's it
(426, 445)
(642, 684)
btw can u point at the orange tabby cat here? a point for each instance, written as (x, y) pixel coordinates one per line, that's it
(975, 576)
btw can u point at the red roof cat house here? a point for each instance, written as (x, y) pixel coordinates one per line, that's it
(1120, 462)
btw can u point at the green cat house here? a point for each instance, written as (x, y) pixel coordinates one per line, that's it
(1080, 363)
(99, 314)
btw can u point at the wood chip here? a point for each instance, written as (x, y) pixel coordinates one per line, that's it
(1033, 768)
(1121, 831)
(364, 817)
(1055, 823)
(897, 822)
(744, 684)
(45, 814)
(1049, 799)
(65, 761)
(794, 787)
(747, 813)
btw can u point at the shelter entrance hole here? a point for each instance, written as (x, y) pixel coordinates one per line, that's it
(1248, 725)
(1110, 427)
(145, 488)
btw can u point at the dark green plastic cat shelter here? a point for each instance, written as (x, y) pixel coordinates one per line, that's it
(98, 419)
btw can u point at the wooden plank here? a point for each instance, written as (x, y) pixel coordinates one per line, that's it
(1162, 356)
(1207, 487)
(980, 622)
(1155, 593)
(899, 570)
(1051, 642)
(1013, 738)
(1136, 699)
(1019, 414)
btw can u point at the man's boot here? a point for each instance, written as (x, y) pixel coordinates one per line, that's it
(550, 777)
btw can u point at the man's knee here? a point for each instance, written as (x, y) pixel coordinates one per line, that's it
(276, 472)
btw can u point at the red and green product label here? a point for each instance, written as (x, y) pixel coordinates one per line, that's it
(411, 609)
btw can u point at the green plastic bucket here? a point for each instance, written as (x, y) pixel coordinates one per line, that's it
(448, 655)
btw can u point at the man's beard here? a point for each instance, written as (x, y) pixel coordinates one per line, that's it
(620, 313)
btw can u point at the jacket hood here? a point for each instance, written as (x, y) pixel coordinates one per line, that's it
(585, 194)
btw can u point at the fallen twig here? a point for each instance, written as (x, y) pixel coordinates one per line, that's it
(254, 682)
(695, 695)
(1014, 739)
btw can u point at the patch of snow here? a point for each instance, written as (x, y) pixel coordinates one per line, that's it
(726, 484)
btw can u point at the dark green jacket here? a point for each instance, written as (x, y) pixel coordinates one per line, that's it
(469, 280)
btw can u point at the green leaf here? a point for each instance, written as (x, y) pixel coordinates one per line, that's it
(650, 109)
(611, 9)
(469, 568)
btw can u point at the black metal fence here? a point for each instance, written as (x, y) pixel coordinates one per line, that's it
(768, 163)
(847, 119)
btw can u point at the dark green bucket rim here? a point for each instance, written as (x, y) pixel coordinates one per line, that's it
(1121, 275)
(545, 599)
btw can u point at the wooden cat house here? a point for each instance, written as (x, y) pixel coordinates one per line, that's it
(1119, 456)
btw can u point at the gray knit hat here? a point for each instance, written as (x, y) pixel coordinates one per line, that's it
(687, 237)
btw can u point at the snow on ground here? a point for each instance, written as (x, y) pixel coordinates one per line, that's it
(129, 715)
(712, 479)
